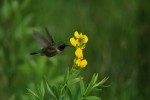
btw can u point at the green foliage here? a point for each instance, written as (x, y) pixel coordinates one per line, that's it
(14, 26)
(64, 91)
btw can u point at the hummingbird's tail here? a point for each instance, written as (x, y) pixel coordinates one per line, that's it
(36, 52)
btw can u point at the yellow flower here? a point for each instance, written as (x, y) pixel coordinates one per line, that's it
(76, 34)
(81, 63)
(79, 53)
(77, 61)
(79, 42)
(73, 41)
(85, 39)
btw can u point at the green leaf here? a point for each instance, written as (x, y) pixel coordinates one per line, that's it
(101, 82)
(93, 85)
(42, 90)
(95, 78)
(33, 94)
(55, 91)
(66, 75)
(90, 85)
(50, 90)
(82, 87)
(92, 98)
(69, 93)
(97, 89)
(76, 80)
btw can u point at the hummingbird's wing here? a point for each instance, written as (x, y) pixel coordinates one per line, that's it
(44, 42)
(51, 40)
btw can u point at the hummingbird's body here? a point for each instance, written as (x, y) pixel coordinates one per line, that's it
(50, 48)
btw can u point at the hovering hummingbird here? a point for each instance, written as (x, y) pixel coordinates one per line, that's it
(50, 48)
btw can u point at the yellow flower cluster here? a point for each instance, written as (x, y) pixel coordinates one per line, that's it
(79, 42)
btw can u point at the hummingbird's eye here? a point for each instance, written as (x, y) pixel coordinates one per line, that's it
(62, 44)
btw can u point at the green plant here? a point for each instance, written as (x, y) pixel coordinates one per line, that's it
(68, 89)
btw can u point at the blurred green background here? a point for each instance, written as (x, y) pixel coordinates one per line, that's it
(118, 47)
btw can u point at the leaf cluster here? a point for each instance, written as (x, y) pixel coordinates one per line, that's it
(73, 88)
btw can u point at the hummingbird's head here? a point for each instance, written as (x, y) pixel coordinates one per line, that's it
(62, 46)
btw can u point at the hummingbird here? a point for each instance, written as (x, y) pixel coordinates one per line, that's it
(49, 47)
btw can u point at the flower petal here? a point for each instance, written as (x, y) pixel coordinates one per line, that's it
(76, 34)
(80, 36)
(85, 39)
(83, 63)
(79, 53)
(78, 61)
(73, 41)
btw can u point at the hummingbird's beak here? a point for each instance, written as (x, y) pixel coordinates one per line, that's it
(69, 45)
